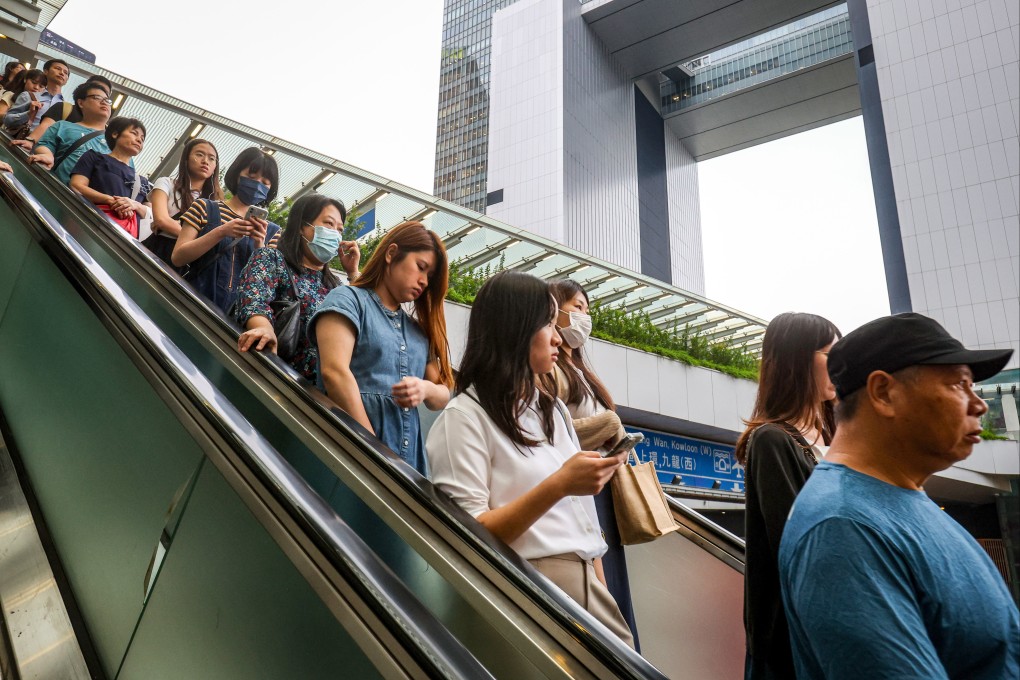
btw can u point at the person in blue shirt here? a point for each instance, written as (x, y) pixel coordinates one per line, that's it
(877, 580)
(65, 142)
(376, 361)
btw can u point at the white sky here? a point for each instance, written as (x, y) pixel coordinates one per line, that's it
(788, 225)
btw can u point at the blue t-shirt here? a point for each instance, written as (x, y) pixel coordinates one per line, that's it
(878, 582)
(107, 175)
(61, 136)
(389, 346)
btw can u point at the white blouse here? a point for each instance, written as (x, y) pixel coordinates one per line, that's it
(481, 469)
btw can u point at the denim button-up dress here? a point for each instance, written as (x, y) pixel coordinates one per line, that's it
(389, 347)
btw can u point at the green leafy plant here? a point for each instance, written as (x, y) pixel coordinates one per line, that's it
(634, 330)
(990, 435)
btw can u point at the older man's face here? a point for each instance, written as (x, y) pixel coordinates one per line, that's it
(938, 414)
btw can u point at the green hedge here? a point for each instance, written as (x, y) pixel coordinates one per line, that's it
(612, 325)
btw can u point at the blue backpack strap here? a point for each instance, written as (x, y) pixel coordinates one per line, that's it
(213, 218)
(271, 231)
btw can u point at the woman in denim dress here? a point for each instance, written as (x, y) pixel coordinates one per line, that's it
(376, 361)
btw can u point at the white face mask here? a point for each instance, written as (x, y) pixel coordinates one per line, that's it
(576, 334)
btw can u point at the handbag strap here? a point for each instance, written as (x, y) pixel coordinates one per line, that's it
(74, 147)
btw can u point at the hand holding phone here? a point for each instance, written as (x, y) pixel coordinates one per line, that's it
(256, 212)
(626, 444)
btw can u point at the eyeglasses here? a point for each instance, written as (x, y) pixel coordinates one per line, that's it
(100, 98)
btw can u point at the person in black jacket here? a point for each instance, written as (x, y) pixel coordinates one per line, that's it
(788, 431)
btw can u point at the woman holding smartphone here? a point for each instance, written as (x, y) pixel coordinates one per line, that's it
(594, 418)
(789, 429)
(217, 238)
(506, 451)
(376, 361)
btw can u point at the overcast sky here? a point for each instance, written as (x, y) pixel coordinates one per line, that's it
(788, 226)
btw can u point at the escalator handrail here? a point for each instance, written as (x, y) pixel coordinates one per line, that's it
(717, 540)
(611, 652)
(429, 643)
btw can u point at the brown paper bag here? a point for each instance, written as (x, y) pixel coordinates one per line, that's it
(642, 512)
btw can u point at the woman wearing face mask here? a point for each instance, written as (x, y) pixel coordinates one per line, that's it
(788, 432)
(506, 452)
(594, 419)
(216, 241)
(299, 262)
(376, 361)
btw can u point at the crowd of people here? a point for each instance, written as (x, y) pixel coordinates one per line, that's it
(851, 571)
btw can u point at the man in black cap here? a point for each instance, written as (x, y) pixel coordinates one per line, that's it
(877, 580)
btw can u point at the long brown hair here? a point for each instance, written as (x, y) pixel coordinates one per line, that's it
(578, 386)
(211, 188)
(413, 237)
(787, 391)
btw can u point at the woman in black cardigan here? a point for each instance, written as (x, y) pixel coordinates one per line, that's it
(787, 434)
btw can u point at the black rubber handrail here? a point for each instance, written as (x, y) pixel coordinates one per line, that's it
(724, 544)
(437, 652)
(613, 655)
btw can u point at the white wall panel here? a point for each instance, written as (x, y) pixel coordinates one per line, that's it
(686, 256)
(949, 78)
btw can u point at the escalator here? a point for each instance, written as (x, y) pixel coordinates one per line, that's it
(261, 490)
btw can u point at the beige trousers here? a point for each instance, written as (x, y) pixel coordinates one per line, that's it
(576, 577)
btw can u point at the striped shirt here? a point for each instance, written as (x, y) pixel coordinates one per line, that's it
(196, 218)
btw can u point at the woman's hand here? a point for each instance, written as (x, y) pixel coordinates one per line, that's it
(586, 472)
(258, 231)
(410, 392)
(33, 108)
(235, 228)
(261, 337)
(350, 258)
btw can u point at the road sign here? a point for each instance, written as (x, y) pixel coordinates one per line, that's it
(698, 463)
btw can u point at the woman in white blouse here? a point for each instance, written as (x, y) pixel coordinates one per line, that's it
(507, 453)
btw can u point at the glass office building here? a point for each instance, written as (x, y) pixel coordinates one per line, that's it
(463, 121)
(799, 45)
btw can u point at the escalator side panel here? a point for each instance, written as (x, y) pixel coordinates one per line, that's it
(689, 607)
(12, 255)
(229, 604)
(102, 454)
(478, 634)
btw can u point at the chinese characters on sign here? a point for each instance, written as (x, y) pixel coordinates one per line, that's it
(700, 464)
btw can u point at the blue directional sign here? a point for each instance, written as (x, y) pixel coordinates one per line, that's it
(698, 463)
(365, 222)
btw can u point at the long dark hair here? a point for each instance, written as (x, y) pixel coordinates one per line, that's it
(509, 309)
(787, 391)
(7, 80)
(291, 243)
(182, 182)
(429, 310)
(20, 80)
(570, 363)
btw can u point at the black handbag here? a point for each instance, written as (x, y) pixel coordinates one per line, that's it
(287, 321)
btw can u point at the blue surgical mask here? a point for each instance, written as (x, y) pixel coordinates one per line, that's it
(251, 192)
(324, 244)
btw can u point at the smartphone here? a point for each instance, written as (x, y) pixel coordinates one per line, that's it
(256, 212)
(628, 442)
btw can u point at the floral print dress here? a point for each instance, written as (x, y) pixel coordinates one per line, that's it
(267, 278)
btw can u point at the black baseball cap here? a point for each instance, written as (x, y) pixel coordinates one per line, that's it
(896, 342)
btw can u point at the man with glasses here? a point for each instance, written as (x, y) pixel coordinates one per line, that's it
(65, 142)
